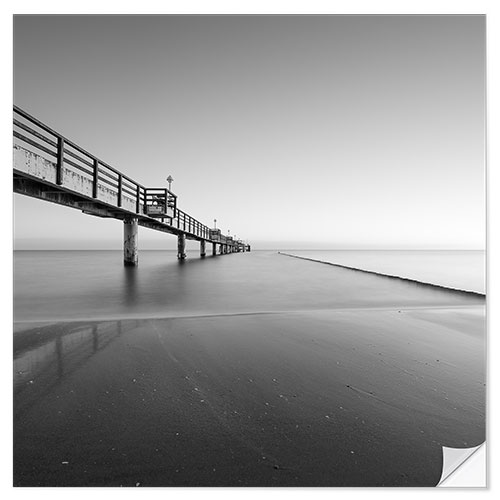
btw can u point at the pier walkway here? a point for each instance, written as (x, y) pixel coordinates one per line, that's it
(50, 167)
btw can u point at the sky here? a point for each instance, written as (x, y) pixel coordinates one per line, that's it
(291, 131)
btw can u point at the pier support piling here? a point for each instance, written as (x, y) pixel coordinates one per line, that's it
(202, 249)
(130, 241)
(214, 248)
(181, 246)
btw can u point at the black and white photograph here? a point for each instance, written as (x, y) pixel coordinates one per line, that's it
(249, 250)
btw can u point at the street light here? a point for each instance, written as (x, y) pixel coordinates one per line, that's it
(169, 180)
(215, 223)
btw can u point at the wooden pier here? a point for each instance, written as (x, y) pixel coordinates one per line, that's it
(50, 167)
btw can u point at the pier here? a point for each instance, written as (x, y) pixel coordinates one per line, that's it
(50, 167)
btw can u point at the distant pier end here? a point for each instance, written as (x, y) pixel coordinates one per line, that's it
(52, 168)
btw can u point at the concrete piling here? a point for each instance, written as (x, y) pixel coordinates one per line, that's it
(130, 241)
(214, 248)
(202, 248)
(181, 246)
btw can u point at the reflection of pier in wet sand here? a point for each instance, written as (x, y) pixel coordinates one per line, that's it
(45, 355)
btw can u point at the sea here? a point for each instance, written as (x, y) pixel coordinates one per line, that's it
(68, 285)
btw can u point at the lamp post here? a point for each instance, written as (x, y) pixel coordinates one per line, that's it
(169, 180)
(215, 223)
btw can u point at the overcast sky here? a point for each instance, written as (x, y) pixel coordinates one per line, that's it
(312, 132)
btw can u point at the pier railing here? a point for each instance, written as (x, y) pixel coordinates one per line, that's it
(66, 154)
(102, 180)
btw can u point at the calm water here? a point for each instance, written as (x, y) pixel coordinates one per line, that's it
(94, 284)
(463, 270)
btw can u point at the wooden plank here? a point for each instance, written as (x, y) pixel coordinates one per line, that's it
(79, 158)
(78, 167)
(31, 142)
(33, 120)
(35, 133)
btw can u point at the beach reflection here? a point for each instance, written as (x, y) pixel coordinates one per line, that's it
(45, 355)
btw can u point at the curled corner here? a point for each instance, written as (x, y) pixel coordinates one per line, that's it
(464, 467)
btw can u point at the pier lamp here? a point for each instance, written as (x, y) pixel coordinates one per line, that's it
(169, 180)
(215, 223)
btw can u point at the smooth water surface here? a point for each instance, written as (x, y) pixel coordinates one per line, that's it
(61, 285)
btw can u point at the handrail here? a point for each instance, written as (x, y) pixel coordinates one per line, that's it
(99, 171)
(42, 125)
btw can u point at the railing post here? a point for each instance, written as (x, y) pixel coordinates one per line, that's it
(120, 190)
(96, 178)
(60, 161)
(138, 200)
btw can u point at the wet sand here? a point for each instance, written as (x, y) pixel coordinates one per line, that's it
(361, 397)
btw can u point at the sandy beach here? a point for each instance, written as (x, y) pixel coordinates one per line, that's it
(361, 397)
